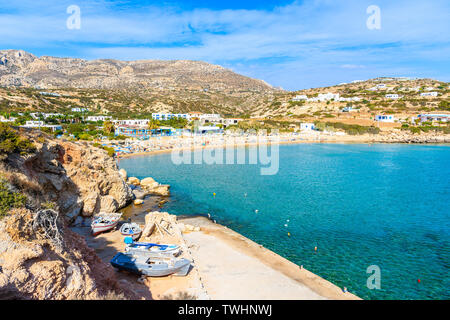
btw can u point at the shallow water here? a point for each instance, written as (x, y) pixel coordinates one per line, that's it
(361, 205)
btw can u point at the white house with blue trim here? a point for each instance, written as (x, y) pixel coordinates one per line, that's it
(307, 126)
(384, 118)
(167, 116)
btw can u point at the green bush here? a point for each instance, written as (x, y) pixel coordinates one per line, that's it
(352, 129)
(12, 142)
(111, 151)
(9, 199)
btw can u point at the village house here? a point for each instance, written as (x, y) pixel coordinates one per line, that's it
(132, 122)
(140, 132)
(10, 119)
(37, 115)
(328, 96)
(306, 126)
(384, 118)
(429, 94)
(167, 116)
(41, 124)
(51, 94)
(434, 117)
(300, 97)
(98, 118)
(79, 109)
(392, 96)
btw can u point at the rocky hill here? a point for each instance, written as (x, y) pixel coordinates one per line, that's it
(21, 68)
(365, 99)
(152, 85)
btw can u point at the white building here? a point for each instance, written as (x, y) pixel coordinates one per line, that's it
(51, 94)
(37, 115)
(306, 126)
(167, 116)
(384, 118)
(78, 109)
(41, 124)
(429, 94)
(209, 117)
(10, 119)
(328, 96)
(32, 123)
(300, 97)
(351, 99)
(347, 109)
(392, 96)
(98, 118)
(132, 122)
(434, 117)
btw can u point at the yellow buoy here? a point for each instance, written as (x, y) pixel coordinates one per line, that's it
(289, 234)
(214, 194)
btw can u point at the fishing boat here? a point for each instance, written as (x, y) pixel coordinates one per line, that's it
(151, 249)
(104, 222)
(151, 266)
(132, 230)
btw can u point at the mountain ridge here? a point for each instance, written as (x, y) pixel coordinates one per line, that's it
(21, 68)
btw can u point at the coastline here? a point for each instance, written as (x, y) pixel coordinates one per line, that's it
(335, 139)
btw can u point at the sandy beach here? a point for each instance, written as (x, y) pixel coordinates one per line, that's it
(178, 144)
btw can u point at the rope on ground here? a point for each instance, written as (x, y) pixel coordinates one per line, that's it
(45, 223)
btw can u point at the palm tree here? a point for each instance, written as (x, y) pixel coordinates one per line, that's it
(153, 125)
(108, 127)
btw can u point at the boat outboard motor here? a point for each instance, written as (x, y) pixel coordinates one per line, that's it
(128, 240)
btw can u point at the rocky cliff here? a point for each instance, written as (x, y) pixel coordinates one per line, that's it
(76, 178)
(40, 256)
(31, 267)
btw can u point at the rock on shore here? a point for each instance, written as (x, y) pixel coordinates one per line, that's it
(147, 186)
(79, 178)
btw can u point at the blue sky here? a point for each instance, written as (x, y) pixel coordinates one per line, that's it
(292, 44)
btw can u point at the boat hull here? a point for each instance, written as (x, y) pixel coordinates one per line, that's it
(153, 251)
(132, 230)
(104, 222)
(157, 267)
(97, 229)
(134, 236)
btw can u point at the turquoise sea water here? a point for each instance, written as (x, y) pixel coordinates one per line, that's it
(361, 205)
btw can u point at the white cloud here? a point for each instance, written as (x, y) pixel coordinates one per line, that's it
(297, 45)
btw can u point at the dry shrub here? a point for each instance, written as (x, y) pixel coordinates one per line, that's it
(179, 296)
